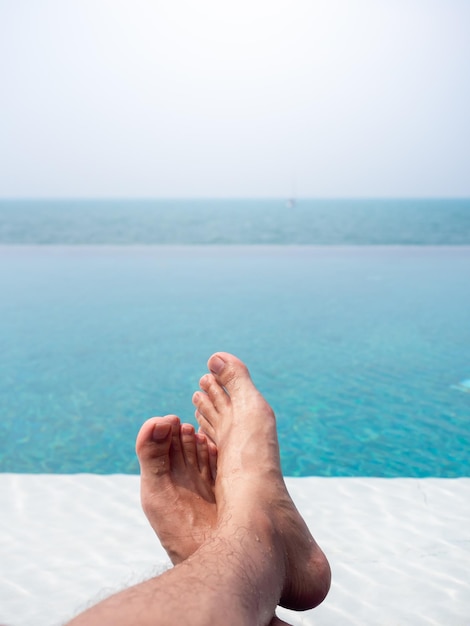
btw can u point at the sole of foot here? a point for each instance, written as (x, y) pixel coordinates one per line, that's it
(178, 469)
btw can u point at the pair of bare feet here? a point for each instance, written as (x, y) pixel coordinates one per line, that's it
(191, 482)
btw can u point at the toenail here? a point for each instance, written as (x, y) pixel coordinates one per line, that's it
(217, 365)
(159, 433)
(187, 429)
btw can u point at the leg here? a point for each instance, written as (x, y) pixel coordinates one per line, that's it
(232, 579)
(233, 414)
(259, 551)
(178, 469)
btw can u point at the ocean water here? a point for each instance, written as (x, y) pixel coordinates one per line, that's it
(363, 351)
(310, 222)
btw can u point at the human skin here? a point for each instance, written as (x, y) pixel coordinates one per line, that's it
(178, 468)
(256, 552)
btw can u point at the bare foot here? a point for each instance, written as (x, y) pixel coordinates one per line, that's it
(178, 468)
(235, 416)
(177, 478)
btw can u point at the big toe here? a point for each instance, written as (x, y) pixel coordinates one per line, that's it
(229, 371)
(153, 443)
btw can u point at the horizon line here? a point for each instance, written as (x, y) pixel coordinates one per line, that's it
(217, 197)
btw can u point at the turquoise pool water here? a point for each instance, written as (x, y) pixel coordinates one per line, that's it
(360, 350)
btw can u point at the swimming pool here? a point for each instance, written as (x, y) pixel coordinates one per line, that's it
(359, 350)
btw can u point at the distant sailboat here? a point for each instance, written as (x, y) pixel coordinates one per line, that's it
(290, 203)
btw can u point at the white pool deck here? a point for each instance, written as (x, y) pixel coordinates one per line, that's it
(399, 548)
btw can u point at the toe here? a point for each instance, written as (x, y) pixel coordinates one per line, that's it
(188, 444)
(153, 443)
(205, 407)
(204, 431)
(212, 458)
(205, 427)
(216, 394)
(176, 448)
(203, 457)
(229, 372)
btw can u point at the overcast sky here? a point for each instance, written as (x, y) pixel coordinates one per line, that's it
(245, 98)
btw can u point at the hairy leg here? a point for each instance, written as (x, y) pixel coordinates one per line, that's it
(178, 468)
(234, 578)
(236, 417)
(260, 551)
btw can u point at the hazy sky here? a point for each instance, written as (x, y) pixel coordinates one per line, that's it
(248, 98)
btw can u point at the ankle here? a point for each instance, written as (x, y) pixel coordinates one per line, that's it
(254, 528)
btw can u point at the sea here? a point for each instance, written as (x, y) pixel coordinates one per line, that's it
(352, 315)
